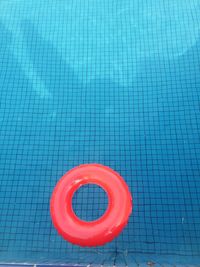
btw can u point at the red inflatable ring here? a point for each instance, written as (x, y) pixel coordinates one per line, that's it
(102, 230)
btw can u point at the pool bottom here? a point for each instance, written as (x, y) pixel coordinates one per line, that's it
(110, 259)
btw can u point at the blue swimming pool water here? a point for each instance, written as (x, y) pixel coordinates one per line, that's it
(112, 82)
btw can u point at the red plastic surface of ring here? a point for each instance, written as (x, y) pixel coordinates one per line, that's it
(102, 230)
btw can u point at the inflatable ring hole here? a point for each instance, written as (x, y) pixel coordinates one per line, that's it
(90, 202)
